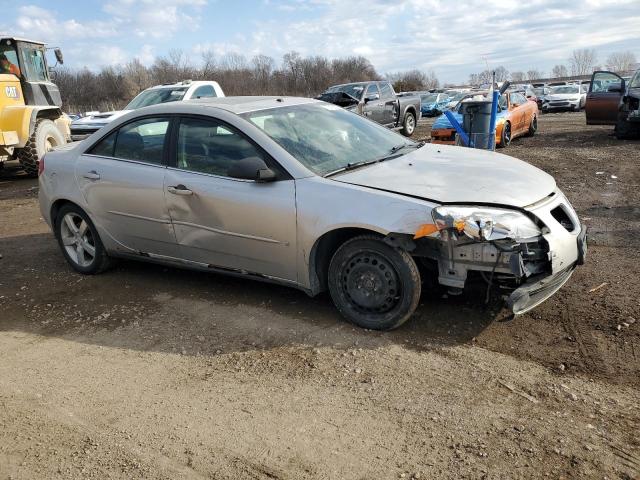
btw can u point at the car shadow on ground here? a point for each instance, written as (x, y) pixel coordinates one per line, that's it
(150, 307)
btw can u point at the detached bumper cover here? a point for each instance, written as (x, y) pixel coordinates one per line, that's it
(540, 288)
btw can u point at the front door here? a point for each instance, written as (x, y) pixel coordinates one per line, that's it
(122, 180)
(390, 104)
(226, 222)
(605, 91)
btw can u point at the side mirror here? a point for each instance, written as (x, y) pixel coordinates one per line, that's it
(252, 168)
(58, 53)
(371, 98)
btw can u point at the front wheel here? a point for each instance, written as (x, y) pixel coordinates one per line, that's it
(408, 124)
(624, 129)
(533, 126)
(505, 136)
(372, 284)
(79, 241)
(44, 138)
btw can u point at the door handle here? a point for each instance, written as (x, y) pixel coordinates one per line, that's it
(180, 190)
(92, 175)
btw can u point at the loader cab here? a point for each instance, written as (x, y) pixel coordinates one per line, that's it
(26, 60)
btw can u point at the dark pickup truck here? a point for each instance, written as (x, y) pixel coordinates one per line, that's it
(377, 101)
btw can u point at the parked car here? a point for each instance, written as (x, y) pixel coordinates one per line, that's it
(433, 104)
(565, 97)
(516, 117)
(541, 93)
(378, 102)
(304, 193)
(614, 101)
(83, 127)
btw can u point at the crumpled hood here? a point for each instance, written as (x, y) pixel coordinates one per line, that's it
(98, 119)
(449, 174)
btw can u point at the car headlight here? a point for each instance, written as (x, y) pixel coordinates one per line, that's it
(485, 223)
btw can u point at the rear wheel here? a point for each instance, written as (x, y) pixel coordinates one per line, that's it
(408, 124)
(44, 138)
(372, 284)
(79, 241)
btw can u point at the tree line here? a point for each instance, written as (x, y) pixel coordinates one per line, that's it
(112, 87)
(581, 62)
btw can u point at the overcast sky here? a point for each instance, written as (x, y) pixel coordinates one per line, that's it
(454, 38)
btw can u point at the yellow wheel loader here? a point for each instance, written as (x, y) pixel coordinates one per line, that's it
(31, 118)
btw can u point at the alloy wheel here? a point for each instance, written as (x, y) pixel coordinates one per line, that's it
(77, 239)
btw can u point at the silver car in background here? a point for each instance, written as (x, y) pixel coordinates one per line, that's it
(304, 193)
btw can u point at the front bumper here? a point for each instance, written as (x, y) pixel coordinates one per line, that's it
(541, 287)
(561, 105)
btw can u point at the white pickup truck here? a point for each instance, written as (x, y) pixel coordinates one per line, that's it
(174, 92)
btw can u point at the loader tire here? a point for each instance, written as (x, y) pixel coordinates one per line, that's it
(44, 138)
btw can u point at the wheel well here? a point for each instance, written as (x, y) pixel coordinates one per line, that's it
(322, 253)
(55, 208)
(412, 110)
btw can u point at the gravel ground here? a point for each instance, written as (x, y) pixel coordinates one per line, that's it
(153, 372)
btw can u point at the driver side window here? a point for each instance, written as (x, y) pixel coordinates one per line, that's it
(209, 146)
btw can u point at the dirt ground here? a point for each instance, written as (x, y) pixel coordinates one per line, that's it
(152, 372)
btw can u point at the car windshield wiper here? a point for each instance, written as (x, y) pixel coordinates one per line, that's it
(392, 154)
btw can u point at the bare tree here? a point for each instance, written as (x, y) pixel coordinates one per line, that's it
(559, 71)
(534, 74)
(413, 80)
(113, 87)
(621, 61)
(517, 76)
(486, 76)
(582, 61)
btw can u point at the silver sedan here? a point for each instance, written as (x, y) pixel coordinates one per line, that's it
(304, 193)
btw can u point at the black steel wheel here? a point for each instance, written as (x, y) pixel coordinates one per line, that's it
(373, 284)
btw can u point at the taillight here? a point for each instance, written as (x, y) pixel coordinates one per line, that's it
(41, 165)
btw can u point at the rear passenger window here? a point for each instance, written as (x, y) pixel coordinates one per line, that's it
(207, 146)
(385, 90)
(142, 140)
(104, 147)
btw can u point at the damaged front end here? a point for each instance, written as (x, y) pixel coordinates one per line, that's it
(516, 251)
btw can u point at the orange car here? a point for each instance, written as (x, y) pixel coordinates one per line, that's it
(517, 116)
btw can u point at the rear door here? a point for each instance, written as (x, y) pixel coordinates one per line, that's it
(226, 222)
(122, 180)
(373, 107)
(605, 92)
(390, 103)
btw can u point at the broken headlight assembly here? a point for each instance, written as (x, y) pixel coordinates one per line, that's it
(481, 223)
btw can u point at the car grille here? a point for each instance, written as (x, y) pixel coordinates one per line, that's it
(559, 104)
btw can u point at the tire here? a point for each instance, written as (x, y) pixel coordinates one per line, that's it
(625, 130)
(505, 136)
(372, 284)
(408, 124)
(533, 126)
(79, 241)
(45, 136)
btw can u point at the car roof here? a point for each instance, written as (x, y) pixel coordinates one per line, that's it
(246, 104)
(20, 39)
(185, 84)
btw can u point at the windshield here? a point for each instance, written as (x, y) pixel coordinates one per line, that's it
(569, 89)
(326, 138)
(354, 90)
(429, 98)
(156, 96)
(457, 97)
(635, 81)
(539, 91)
